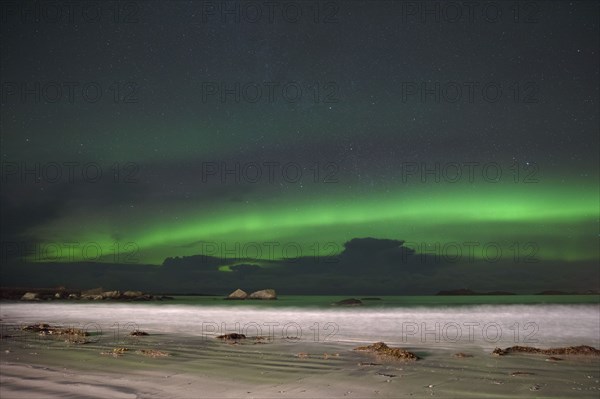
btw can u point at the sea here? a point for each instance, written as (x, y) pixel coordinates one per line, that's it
(430, 321)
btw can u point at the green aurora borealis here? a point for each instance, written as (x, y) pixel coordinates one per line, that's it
(560, 224)
(368, 131)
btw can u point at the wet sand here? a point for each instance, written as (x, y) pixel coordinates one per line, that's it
(43, 366)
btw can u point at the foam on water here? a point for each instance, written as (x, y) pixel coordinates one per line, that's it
(483, 326)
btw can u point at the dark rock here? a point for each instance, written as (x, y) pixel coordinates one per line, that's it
(382, 349)
(30, 296)
(132, 294)
(386, 375)
(153, 353)
(571, 350)
(232, 337)
(36, 327)
(93, 291)
(263, 294)
(92, 297)
(46, 329)
(516, 373)
(238, 294)
(138, 333)
(498, 352)
(16, 293)
(111, 294)
(349, 302)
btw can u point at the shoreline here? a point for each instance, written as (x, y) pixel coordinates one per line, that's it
(45, 294)
(180, 359)
(221, 370)
(255, 374)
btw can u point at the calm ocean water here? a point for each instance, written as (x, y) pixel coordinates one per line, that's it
(394, 301)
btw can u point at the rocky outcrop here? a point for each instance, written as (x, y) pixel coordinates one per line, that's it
(348, 302)
(92, 297)
(571, 350)
(70, 334)
(238, 294)
(93, 291)
(61, 293)
(95, 294)
(153, 353)
(132, 294)
(232, 337)
(138, 333)
(381, 349)
(30, 296)
(111, 294)
(263, 294)
(116, 295)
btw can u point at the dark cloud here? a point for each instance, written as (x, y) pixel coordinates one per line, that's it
(367, 266)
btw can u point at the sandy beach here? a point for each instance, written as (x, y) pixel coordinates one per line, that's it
(274, 370)
(177, 360)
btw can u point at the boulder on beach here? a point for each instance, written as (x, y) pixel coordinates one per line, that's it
(238, 294)
(30, 296)
(263, 294)
(349, 302)
(111, 294)
(571, 350)
(138, 333)
(381, 349)
(132, 294)
(93, 291)
(98, 297)
(232, 337)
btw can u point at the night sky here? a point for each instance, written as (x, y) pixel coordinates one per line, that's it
(301, 142)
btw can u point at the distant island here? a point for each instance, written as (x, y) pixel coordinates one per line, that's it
(98, 294)
(62, 293)
(466, 291)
